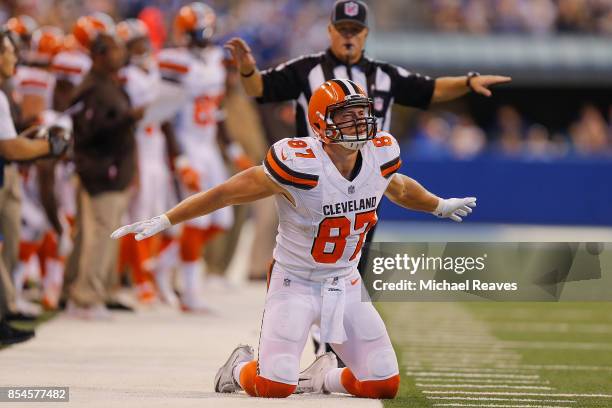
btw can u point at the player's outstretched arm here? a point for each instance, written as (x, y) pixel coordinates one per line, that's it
(245, 187)
(408, 193)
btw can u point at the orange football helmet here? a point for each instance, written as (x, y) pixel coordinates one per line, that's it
(22, 25)
(45, 43)
(132, 29)
(336, 96)
(87, 28)
(195, 22)
(20, 29)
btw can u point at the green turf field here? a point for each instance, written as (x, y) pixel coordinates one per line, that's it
(487, 354)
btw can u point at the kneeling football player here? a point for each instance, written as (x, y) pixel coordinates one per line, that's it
(327, 190)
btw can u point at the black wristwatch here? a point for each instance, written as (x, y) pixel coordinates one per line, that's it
(470, 75)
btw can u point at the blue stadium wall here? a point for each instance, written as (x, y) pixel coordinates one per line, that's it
(570, 191)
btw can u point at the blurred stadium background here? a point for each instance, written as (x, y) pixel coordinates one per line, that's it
(538, 155)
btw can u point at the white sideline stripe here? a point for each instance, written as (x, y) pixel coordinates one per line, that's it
(480, 380)
(505, 345)
(505, 367)
(529, 394)
(557, 367)
(500, 406)
(475, 375)
(461, 368)
(500, 399)
(505, 386)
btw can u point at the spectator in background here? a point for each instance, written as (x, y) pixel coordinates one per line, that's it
(574, 16)
(509, 133)
(105, 163)
(467, 140)
(430, 138)
(589, 134)
(537, 144)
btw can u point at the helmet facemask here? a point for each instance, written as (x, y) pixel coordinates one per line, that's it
(354, 131)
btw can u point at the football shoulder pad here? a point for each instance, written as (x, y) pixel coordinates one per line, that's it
(387, 152)
(292, 163)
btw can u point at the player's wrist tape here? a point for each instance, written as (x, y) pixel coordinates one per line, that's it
(440, 208)
(471, 75)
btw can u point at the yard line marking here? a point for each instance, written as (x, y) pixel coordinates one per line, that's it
(480, 380)
(425, 343)
(459, 368)
(558, 367)
(526, 394)
(500, 406)
(501, 399)
(474, 375)
(504, 386)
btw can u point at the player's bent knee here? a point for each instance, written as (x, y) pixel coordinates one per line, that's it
(382, 364)
(266, 388)
(285, 367)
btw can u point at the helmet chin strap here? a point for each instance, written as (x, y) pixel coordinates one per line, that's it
(352, 145)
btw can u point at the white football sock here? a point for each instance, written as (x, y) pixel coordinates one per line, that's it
(236, 371)
(191, 276)
(333, 381)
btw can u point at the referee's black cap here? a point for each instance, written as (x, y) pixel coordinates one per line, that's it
(353, 11)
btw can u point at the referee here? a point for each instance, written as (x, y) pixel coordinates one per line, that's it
(385, 83)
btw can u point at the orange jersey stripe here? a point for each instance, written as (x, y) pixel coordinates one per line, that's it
(392, 169)
(286, 176)
(174, 67)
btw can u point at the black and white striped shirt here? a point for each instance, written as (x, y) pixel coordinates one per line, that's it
(385, 83)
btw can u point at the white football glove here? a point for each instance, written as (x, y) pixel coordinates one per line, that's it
(143, 229)
(454, 208)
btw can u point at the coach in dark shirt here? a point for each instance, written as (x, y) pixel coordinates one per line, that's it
(385, 83)
(104, 155)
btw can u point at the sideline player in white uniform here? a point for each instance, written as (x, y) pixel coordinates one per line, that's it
(198, 66)
(153, 192)
(327, 190)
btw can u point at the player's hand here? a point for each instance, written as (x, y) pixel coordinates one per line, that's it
(188, 175)
(59, 140)
(241, 55)
(455, 208)
(138, 113)
(481, 84)
(143, 229)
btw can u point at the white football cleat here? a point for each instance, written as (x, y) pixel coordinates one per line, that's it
(224, 380)
(312, 379)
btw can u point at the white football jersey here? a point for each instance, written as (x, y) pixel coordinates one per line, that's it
(71, 66)
(322, 235)
(143, 88)
(203, 78)
(34, 81)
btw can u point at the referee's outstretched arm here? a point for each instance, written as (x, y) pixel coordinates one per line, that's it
(449, 88)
